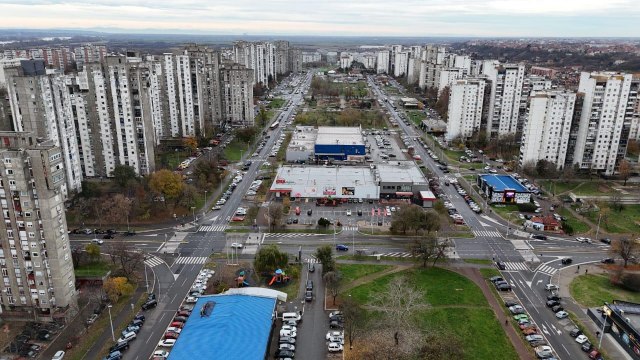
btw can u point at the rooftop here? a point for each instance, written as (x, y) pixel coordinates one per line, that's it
(503, 182)
(400, 172)
(237, 327)
(303, 138)
(317, 181)
(339, 135)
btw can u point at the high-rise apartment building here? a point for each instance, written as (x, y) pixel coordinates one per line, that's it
(237, 94)
(89, 53)
(506, 91)
(401, 62)
(382, 62)
(466, 101)
(605, 122)
(35, 256)
(546, 130)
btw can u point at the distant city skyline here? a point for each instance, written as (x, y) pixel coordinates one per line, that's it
(520, 18)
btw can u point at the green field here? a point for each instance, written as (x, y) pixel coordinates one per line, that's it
(579, 227)
(622, 222)
(454, 301)
(276, 103)
(594, 290)
(416, 116)
(350, 117)
(351, 272)
(171, 160)
(235, 150)
(581, 187)
(97, 269)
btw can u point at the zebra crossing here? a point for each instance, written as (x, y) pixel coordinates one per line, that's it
(396, 254)
(486, 233)
(153, 261)
(515, 266)
(311, 260)
(546, 269)
(212, 228)
(289, 235)
(349, 228)
(191, 260)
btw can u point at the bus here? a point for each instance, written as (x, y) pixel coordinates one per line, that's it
(274, 125)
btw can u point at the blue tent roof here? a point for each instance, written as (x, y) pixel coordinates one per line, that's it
(501, 183)
(238, 327)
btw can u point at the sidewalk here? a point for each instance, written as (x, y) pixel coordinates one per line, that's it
(565, 277)
(119, 320)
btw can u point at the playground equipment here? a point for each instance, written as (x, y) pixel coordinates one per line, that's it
(279, 277)
(241, 280)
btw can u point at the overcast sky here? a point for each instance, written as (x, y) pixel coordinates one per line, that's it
(333, 17)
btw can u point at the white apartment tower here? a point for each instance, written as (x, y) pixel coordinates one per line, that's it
(546, 130)
(382, 62)
(466, 101)
(401, 61)
(35, 255)
(506, 91)
(605, 122)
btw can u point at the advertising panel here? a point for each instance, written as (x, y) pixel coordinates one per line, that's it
(348, 190)
(329, 190)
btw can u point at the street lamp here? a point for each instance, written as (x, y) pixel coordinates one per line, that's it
(205, 198)
(193, 210)
(113, 337)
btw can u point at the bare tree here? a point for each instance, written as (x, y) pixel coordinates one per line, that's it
(276, 213)
(626, 249)
(376, 344)
(354, 319)
(126, 257)
(624, 169)
(332, 280)
(428, 248)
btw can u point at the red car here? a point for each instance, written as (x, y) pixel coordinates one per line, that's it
(171, 335)
(184, 313)
(177, 324)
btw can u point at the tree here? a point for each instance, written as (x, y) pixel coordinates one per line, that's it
(167, 183)
(323, 222)
(332, 280)
(191, 143)
(246, 135)
(442, 105)
(116, 287)
(624, 169)
(354, 319)
(126, 258)
(262, 116)
(567, 228)
(122, 174)
(90, 189)
(76, 256)
(441, 346)
(275, 214)
(269, 258)
(188, 196)
(626, 249)
(116, 209)
(324, 254)
(93, 251)
(414, 218)
(428, 248)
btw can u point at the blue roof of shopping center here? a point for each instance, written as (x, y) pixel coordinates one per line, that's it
(226, 327)
(503, 182)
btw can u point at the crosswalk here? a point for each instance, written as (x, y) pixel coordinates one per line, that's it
(396, 254)
(310, 260)
(153, 261)
(546, 269)
(486, 233)
(191, 260)
(515, 266)
(212, 228)
(350, 228)
(289, 235)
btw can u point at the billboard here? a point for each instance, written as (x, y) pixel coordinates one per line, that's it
(329, 190)
(348, 190)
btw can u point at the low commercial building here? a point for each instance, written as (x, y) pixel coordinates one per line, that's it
(340, 182)
(622, 322)
(402, 181)
(409, 102)
(340, 143)
(232, 326)
(302, 144)
(503, 189)
(427, 198)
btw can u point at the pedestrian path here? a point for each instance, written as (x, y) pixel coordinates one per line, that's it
(191, 260)
(486, 233)
(289, 235)
(213, 228)
(515, 266)
(546, 269)
(153, 261)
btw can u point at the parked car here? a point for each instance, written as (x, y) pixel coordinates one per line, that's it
(331, 334)
(92, 319)
(551, 287)
(335, 347)
(59, 355)
(608, 261)
(308, 296)
(287, 340)
(562, 314)
(149, 304)
(167, 343)
(534, 337)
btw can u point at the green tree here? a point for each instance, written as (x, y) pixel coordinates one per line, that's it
(269, 258)
(246, 135)
(167, 183)
(262, 116)
(324, 254)
(90, 189)
(332, 280)
(323, 222)
(122, 174)
(93, 251)
(567, 228)
(428, 248)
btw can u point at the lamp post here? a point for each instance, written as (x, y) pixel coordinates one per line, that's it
(193, 210)
(598, 228)
(146, 279)
(205, 198)
(604, 322)
(113, 337)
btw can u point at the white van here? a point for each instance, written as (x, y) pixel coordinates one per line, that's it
(291, 316)
(127, 337)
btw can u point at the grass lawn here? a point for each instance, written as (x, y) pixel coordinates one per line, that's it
(276, 103)
(579, 227)
(235, 150)
(97, 269)
(593, 188)
(478, 261)
(351, 117)
(454, 301)
(416, 116)
(171, 160)
(489, 272)
(625, 221)
(352, 272)
(504, 211)
(582, 187)
(594, 290)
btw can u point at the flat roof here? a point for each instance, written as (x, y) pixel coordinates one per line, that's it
(427, 195)
(237, 327)
(339, 135)
(503, 182)
(318, 181)
(400, 172)
(303, 138)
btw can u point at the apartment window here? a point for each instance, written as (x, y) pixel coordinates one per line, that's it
(35, 254)
(9, 171)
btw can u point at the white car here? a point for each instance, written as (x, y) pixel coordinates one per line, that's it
(562, 314)
(348, 212)
(161, 353)
(289, 327)
(167, 343)
(337, 339)
(236, 246)
(288, 333)
(544, 352)
(581, 339)
(59, 355)
(217, 207)
(335, 347)
(334, 313)
(287, 347)
(97, 241)
(191, 300)
(331, 334)
(582, 239)
(516, 309)
(174, 329)
(551, 287)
